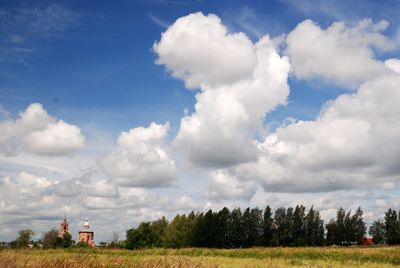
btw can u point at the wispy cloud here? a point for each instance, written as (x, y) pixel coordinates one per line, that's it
(39, 20)
(157, 20)
(247, 21)
(21, 25)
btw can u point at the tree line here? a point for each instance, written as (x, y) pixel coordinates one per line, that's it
(251, 227)
(239, 229)
(49, 239)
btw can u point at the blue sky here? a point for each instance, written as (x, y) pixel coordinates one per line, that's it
(93, 71)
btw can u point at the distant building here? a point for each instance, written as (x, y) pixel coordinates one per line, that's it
(64, 226)
(367, 241)
(86, 234)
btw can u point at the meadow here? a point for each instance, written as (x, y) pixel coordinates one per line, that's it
(329, 257)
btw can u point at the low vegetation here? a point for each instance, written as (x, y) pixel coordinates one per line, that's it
(199, 257)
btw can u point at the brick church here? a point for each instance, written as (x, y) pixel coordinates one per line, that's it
(85, 234)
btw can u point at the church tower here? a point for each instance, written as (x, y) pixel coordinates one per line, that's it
(86, 234)
(64, 226)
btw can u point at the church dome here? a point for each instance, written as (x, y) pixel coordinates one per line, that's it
(86, 224)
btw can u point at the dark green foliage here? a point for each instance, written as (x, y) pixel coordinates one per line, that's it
(358, 226)
(254, 227)
(298, 226)
(332, 230)
(282, 228)
(392, 226)
(267, 227)
(235, 229)
(313, 229)
(347, 229)
(340, 235)
(221, 228)
(140, 237)
(67, 240)
(378, 232)
(158, 228)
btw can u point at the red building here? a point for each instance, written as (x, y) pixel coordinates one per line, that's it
(367, 241)
(64, 226)
(86, 234)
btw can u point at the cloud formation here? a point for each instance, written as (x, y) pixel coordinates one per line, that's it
(240, 82)
(352, 143)
(341, 54)
(225, 187)
(141, 158)
(37, 132)
(199, 50)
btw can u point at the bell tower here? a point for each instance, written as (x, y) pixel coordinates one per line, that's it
(64, 226)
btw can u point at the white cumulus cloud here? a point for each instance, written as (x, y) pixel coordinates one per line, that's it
(352, 143)
(199, 50)
(339, 53)
(240, 82)
(39, 133)
(141, 158)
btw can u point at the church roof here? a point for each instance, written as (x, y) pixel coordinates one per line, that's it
(86, 227)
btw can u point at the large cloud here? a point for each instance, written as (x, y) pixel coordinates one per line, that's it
(141, 158)
(338, 53)
(353, 143)
(251, 81)
(38, 132)
(200, 51)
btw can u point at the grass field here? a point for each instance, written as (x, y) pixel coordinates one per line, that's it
(255, 257)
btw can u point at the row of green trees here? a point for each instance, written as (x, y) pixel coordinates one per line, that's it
(254, 227)
(387, 231)
(232, 229)
(240, 229)
(346, 228)
(50, 239)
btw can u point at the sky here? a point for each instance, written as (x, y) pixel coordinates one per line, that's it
(126, 111)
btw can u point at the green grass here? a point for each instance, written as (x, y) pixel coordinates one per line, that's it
(194, 257)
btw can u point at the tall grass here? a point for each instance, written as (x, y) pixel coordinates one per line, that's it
(195, 257)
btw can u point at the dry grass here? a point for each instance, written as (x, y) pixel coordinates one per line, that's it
(324, 257)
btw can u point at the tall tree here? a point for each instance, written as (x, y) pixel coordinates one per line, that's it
(280, 222)
(252, 222)
(177, 232)
(358, 226)
(348, 229)
(298, 226)
(321, 231)
(314, 228)
(49, 239)
(140, 237)
(158, 228)
(340, 234)
(378, 232)
(24, 238)
(332, 233)
(67, 240)
(235, 229)
(267, 226)
(205, 230)
(392, 226)
(221, 228)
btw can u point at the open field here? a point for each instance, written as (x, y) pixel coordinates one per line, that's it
(255, 257)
